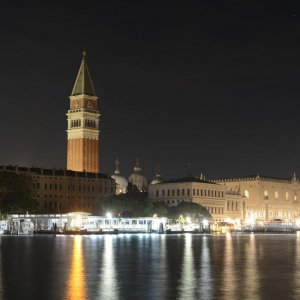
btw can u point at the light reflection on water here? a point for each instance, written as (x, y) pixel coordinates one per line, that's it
(297, 267)
(252, 275)
(187, 288)
(229, 286)
(205, 280)
(108, 285)
(151, 267)
(76, 284)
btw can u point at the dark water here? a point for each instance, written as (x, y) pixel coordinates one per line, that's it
(150, 267)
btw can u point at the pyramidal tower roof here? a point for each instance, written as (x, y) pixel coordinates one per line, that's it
(83, 84)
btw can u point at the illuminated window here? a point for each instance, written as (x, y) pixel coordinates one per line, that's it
(266, 193)
(246, 194)
(295, 198)
(286, 196)
(276, 195)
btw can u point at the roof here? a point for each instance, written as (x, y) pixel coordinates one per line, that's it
(53, 172)
(83, 84)
(254, 178)
(188, 179)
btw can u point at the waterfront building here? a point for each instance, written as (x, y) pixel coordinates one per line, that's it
(83, 124)
(121, 182)
(267, 198)
(224, 206)
(138, 179)
(65, 190)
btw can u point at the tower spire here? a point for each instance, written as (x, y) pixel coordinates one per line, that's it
(83, 84)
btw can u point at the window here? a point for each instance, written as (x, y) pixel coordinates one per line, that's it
(45, 186)
(295, 198)
(286, 196)
(178, 192)
(173, 192)
(246, 194)
(208, 193)
(182, 192)
(163, 192)
(194, 192)
(157, 193)
(168, 192)
(266, 193)
(188, 192)
(276, 195)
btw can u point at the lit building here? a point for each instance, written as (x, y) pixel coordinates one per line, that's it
(223, 206)
(138, 179)
(64, 190)
(121, 182)
(267, 198)
(83, 124)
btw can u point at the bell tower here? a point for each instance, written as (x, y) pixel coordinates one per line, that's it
(83, 124)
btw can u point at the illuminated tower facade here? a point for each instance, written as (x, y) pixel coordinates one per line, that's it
(83, 124)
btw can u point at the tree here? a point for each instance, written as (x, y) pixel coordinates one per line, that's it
(193, 210)
(15, 193)
(124, 205)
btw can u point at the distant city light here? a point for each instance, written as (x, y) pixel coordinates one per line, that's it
(108, 215)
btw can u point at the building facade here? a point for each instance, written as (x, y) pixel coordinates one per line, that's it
(224, 206)
(83, 124)
(64, 190)
(267, 198)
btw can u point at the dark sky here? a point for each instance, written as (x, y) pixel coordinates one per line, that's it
(216, 83)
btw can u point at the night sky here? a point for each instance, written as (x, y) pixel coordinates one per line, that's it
(214, 83)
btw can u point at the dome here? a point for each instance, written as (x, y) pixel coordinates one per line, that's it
(137, 179)
(156, 181)
(157, 178)
(121, 182)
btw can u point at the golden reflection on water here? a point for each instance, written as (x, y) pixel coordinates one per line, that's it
(108, 287)
(252, 275)
(76, 285)
(188, 278)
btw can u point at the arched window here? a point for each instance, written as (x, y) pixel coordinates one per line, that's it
(276, 195)
(286, 196)
(246, 194)
(266, 193)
